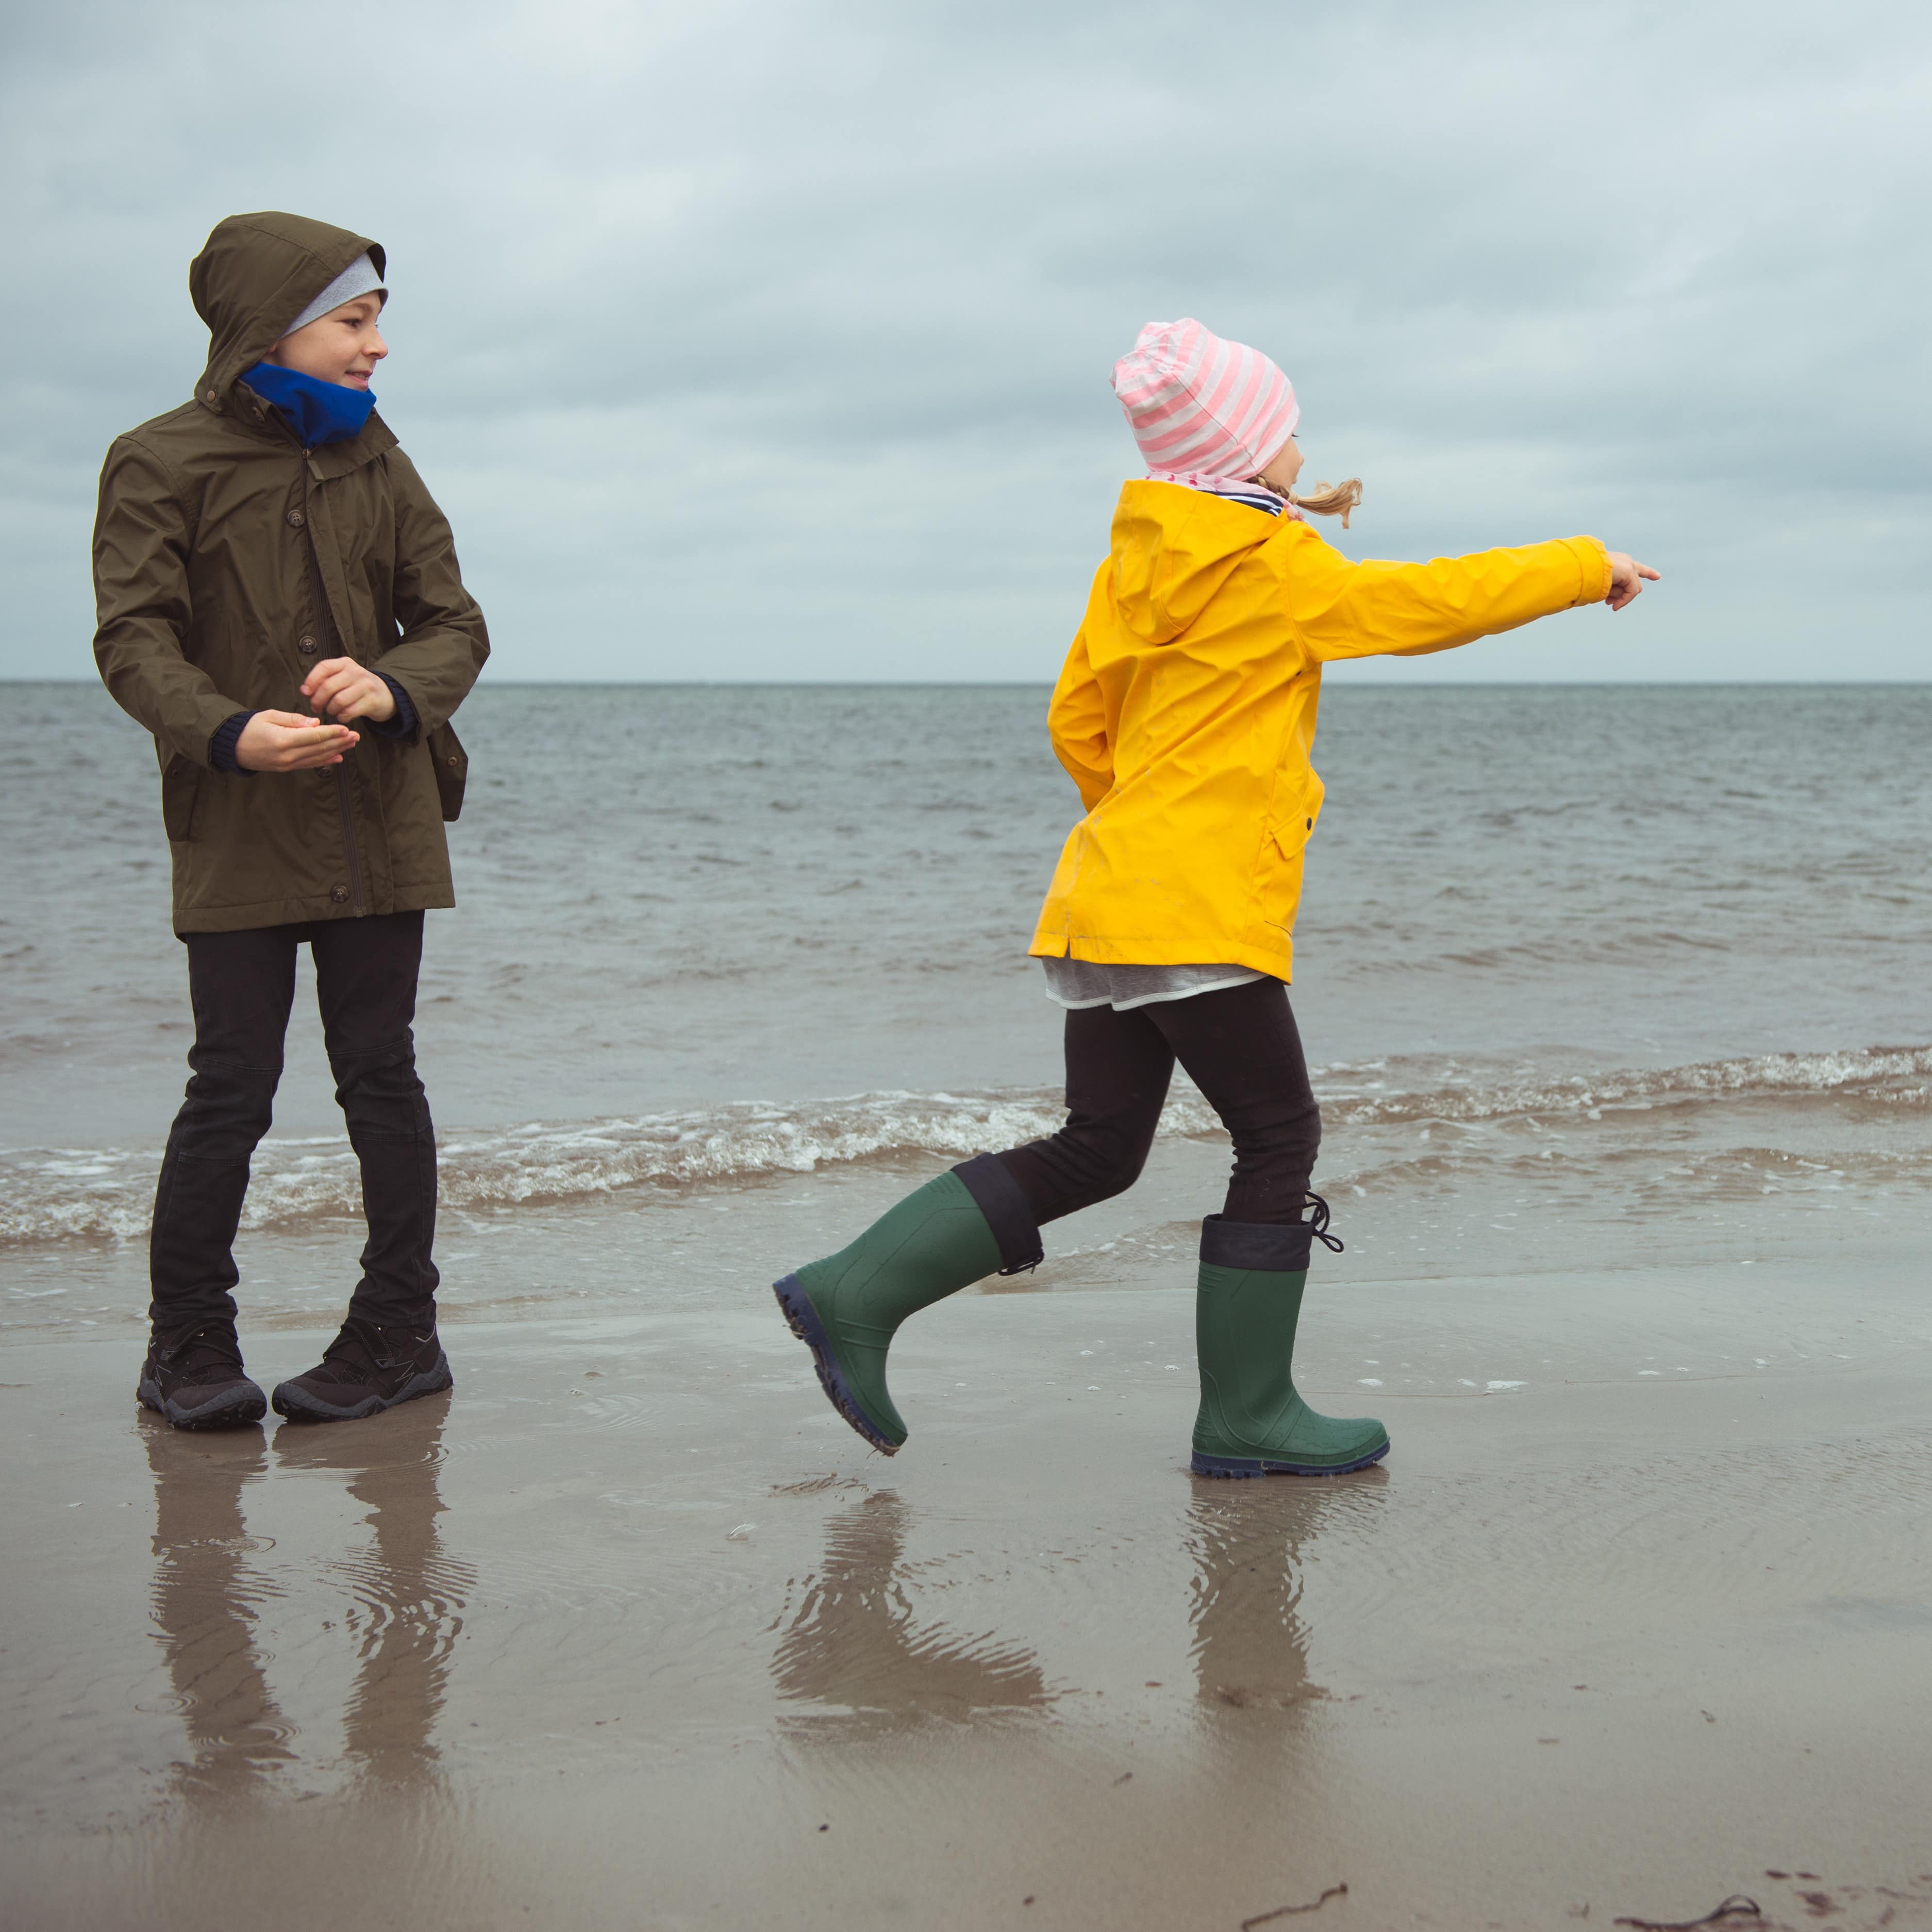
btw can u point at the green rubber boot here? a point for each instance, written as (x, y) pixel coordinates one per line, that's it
(1251, 1421)
(970, 1222)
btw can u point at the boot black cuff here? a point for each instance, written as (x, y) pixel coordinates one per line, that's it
(1274, 1250)
(997, 1195)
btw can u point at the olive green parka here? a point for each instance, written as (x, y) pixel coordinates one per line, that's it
(228, 563)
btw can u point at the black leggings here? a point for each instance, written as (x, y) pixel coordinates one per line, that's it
(1239, 1047)
(243, 985)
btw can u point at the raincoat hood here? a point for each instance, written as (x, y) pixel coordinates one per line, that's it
(256, 274)
(1174, 548)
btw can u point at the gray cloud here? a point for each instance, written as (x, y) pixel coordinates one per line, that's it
(771, 340)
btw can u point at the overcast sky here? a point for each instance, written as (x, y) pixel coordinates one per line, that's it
(770, 338)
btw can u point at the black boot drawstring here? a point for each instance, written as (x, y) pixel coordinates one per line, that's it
(1317, 1225)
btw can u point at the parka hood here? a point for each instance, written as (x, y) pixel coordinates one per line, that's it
(256, 274)
(1173, 549)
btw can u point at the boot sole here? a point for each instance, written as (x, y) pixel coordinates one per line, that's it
(295, 1405)
(1242, 1466)
(246, 1405)
(802, 1319)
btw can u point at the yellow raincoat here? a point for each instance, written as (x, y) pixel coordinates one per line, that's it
(1186, 713)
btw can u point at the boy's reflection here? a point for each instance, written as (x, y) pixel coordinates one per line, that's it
(407, 1593)
(406, 1596)
(1250, 1644)
(205, 1595)
(853, 1641)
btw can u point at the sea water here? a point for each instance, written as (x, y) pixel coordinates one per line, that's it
(1598, 977)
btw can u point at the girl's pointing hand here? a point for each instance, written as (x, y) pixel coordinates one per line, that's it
(1627, 578)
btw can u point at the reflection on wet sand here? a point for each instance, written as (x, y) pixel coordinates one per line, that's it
(855, 1644)
(406, 1594)
(1250, 1643)
(205, 1601)
(406, 1598)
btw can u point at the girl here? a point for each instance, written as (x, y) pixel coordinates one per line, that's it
(1185, 715)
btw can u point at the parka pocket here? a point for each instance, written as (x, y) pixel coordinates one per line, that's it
(181, 788)
(452, 769)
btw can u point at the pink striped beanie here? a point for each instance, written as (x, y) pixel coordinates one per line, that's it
(1202, 409)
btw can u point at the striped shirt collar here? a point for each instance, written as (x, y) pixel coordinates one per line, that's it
(1256, 496)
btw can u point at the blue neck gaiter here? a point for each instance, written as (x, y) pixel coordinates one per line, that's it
(318, 412)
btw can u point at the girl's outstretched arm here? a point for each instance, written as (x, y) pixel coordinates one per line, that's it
(1345, 610)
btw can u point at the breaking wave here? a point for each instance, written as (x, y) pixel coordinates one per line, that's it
(65, 1194)
(1890, 1076)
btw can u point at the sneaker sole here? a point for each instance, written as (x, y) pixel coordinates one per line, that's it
(294, 1404)
(245, 1405)
(1242, 1466)
(802, 1319)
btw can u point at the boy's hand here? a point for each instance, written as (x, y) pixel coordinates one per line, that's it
(281, 741)
(1627, 577)
(340, 689)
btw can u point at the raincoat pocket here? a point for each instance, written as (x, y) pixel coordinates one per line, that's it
(181, 788)
(1278, 877)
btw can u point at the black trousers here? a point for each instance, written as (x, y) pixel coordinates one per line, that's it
(1239, 1047)
(243, 985)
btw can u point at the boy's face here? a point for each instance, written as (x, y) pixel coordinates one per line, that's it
(343, 346)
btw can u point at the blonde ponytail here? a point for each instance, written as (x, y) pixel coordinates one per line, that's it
(1331, 499)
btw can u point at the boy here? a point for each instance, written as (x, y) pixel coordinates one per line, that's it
(279, 605)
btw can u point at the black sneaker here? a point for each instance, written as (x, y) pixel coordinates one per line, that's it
(364, 1371)
(197, 1381)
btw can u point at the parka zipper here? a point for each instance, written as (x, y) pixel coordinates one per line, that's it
(345, 795)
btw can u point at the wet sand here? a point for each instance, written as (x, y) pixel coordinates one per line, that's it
(632, 1632)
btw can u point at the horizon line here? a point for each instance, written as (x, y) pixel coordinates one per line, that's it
(1047, 684)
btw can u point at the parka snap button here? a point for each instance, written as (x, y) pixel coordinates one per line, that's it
(213, 395)
(340, 894)
(306, 646)
(451, 763)
(296, 520)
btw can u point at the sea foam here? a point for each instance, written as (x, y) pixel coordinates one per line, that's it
(51, 1194)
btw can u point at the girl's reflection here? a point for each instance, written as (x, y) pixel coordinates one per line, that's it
(853, 1641)
(1250, 1643)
